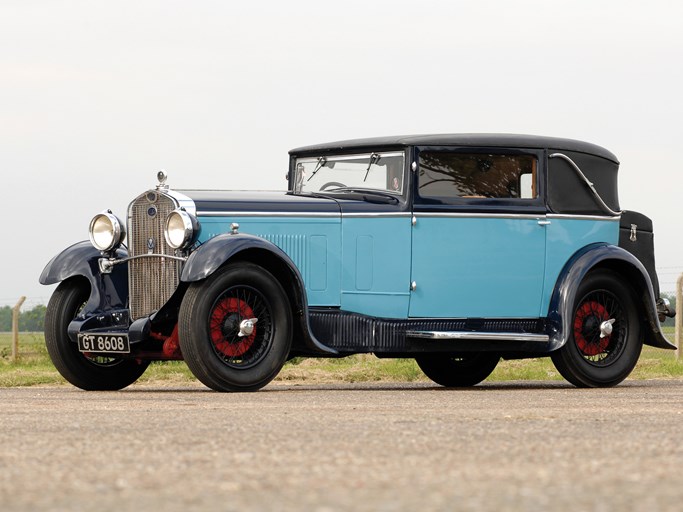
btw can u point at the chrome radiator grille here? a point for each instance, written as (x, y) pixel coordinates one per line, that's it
(151, 281)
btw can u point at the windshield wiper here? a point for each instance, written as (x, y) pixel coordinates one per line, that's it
(374, 158)
(387, 197)
(321, 163)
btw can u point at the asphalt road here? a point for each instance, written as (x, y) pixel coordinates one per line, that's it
(516, 446)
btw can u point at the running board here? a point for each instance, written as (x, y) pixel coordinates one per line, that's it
(481, 336)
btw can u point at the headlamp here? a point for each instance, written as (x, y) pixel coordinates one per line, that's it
(181, 228)
(106, 231)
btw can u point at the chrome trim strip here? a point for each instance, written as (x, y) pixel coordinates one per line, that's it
(471, 215)
(304, 214)
(482, 336)
(140, 256)
(376, 214)
(525, 216)
(583, 177)
(377, 294)
(578, 216)
(267, 214)
(106, 264)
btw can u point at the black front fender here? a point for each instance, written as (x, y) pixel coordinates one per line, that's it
(594, 256)
(218, 251)
(107, 291)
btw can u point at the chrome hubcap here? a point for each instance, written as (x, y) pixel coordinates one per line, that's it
(247, 327)
(607, 327)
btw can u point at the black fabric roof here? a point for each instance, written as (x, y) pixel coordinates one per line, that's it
(505, 140)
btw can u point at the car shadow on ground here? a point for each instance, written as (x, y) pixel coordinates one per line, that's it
(393, 386)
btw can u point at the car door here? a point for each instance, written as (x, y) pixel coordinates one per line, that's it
(478, 239)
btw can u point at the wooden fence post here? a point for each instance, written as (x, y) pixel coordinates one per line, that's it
(679, 315)
(15, 329)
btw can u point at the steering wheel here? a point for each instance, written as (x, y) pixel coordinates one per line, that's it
(334, 184)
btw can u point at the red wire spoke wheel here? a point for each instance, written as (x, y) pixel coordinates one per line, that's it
(235, 328)
(587, 321)
(226, 319)
(233, 307)
(594, 309)
(604, 339)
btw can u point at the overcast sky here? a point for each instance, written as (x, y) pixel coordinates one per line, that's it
(96, 96)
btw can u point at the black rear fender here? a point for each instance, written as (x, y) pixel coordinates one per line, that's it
(593, 258)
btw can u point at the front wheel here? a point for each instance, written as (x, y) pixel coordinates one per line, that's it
(604, 341)
(455, 371)
(235, 328)
(89, 372)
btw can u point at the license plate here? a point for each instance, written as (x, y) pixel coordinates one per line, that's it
(104, 343)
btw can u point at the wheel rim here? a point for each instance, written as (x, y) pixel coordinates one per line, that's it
(106, 361)
(237, 343)
(598, 344)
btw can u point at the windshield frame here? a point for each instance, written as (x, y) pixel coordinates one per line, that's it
(366, 157)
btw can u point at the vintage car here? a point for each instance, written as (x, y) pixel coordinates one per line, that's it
(454, 250)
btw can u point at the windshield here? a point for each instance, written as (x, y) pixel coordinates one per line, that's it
(368, 171)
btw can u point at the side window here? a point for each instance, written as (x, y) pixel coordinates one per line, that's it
(451, 175)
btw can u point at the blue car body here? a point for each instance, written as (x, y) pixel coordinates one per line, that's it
(426, 253)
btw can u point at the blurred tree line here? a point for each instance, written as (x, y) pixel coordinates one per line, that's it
(29, 321)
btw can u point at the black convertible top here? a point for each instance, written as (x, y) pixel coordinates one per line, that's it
(501, 140)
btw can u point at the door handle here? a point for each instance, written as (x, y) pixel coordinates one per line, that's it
(543, 222)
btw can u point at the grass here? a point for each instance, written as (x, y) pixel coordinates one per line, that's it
(35, 368)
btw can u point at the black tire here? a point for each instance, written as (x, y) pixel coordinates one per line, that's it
(88, 373)
(588, 359)
(458, 371)
(209, 328)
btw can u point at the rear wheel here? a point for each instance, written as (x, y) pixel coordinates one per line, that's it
(604, 342)
(89, 372)
(235, 328)
(462, 370)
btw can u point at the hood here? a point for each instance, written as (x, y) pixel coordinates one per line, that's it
(212, 202)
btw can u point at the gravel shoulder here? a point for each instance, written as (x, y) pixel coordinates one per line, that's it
(499, 446)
